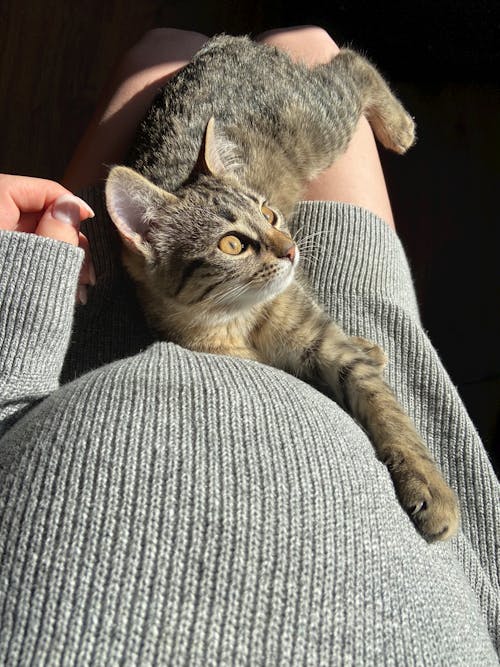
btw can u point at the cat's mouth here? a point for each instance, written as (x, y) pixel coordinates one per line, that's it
(278, 284)
(262, 287)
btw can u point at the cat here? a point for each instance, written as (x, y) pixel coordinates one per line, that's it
(201, 205)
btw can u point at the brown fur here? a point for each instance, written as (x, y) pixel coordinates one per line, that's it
(254, 304)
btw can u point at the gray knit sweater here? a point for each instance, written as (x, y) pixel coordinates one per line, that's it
(159, 506)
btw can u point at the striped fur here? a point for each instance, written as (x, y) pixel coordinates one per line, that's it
(195, 183)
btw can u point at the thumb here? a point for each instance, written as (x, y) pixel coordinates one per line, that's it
(61, 221)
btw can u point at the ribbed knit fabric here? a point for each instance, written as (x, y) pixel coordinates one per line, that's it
(175, 508)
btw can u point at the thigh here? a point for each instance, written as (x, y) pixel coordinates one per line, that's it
(138, 77)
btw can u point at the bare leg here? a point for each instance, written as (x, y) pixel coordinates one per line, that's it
(132, 88)
(357, 176)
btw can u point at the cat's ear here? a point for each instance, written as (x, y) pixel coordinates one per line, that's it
(210, 150)
(132, 202)
(210, 160)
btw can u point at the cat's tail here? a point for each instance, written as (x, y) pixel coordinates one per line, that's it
(391, 123)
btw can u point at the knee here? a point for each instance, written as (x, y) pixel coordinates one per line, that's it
(164, 44)
(317, 37)
(158, 36)
(308, 43)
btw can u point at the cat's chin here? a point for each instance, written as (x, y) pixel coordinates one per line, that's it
(255, 297)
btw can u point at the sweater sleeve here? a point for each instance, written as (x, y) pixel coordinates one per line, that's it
(360, 274)
(38, 279)
(285, 490)
(351, 254)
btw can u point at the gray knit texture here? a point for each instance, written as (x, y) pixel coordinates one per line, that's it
(166, 507)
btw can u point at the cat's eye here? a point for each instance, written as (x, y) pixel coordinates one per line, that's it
(232, 245)
(269, 215)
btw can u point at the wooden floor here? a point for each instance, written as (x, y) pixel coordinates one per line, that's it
(56, 55)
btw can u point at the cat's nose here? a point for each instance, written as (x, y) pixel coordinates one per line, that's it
(288, 252)
(291, 253)
(282, 245)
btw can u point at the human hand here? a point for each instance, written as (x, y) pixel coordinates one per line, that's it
(45, 208)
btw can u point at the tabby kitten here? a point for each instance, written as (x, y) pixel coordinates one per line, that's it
(219, 163)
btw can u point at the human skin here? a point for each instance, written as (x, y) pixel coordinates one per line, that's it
(46, 208)
(355, 178)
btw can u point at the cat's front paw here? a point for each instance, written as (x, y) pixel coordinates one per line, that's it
(427, 498)
(372, 350)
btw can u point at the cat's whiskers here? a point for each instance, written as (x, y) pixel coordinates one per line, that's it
(233, 293)
(310, 251)
(324, 232)
(311, 262)
(309, 246)
(297, 232)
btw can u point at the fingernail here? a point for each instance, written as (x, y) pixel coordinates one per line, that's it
(83, 204)
(66, 208)
(81, 293)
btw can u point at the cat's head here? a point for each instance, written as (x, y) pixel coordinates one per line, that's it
(213, 242)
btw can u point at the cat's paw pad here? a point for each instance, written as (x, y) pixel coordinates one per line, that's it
(431, 504)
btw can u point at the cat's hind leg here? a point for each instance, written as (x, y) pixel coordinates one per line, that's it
(392, 124)
(356, 176)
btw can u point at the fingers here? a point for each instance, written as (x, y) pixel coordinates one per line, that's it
(61, 221)
(23, 198)
(25, 201)
(46, 208)
(87, 274)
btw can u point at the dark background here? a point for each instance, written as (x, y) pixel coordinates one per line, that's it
(443, 58)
